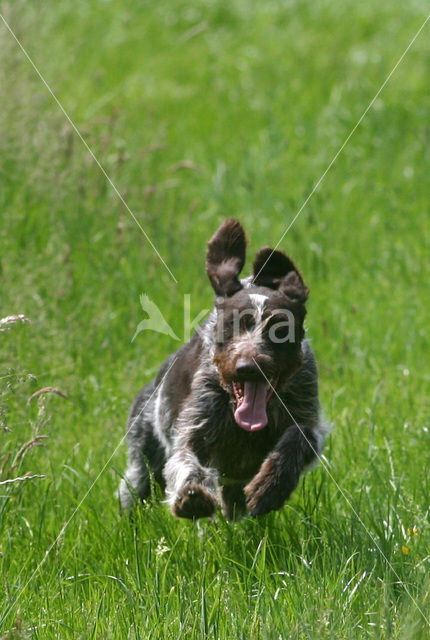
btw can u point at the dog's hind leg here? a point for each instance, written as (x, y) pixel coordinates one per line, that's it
(146, 453)
(144, 468)
(135, 485)
(233, 501)
(191, 488)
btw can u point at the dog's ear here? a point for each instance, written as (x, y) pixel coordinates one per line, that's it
(225, 258)
(275, 270)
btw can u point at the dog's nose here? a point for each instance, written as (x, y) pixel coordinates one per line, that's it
(245, 367)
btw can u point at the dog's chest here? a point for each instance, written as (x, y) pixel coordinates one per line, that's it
(237, 455)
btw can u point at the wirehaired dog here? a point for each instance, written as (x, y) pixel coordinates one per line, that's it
(233, 417)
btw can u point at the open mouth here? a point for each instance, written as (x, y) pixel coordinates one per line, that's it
(252, 397)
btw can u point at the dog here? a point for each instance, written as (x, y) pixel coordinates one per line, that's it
(233, 418)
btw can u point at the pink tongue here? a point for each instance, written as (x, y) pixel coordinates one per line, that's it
(251, 413)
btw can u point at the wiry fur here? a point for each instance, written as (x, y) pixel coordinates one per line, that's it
(182, 430)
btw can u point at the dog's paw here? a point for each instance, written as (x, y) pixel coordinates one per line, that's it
(269, 489)
(194, 501)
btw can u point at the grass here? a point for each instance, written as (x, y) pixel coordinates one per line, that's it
(197, 112)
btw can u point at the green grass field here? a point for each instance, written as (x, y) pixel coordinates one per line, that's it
(200, 111)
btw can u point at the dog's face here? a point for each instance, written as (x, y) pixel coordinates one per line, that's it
(259, 326)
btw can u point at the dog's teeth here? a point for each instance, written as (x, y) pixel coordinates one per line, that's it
(238, 389)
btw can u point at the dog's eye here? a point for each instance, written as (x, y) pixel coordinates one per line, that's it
(278, 333)
(280, 330)
(223, 333)
(246, 322)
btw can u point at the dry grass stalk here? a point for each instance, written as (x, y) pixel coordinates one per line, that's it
(8, 322)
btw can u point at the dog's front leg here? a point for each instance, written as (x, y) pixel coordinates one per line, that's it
(279, 473)
(191, 488)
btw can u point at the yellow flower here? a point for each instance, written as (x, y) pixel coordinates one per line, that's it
(405, 550)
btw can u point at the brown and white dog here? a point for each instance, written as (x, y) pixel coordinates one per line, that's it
(233, 417)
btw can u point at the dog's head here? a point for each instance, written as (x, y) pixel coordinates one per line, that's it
(259, 327)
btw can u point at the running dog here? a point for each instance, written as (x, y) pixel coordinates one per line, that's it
(232, 418)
